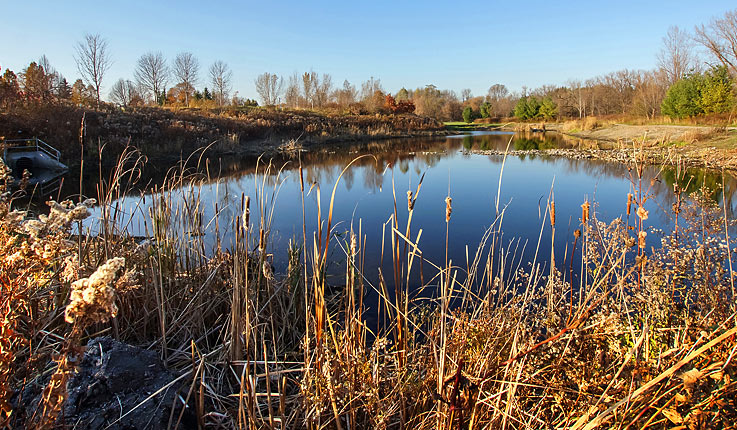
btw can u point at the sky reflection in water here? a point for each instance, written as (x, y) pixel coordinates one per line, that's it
(364, 195)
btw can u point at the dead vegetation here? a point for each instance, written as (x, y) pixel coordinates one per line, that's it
(162, 134)
(636, 337)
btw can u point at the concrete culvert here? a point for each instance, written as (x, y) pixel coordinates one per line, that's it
(22, 164)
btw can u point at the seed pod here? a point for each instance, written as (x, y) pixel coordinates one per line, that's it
(641, 239)
(577, 233)
(246, 212)
(630, 198)
(410, 203)
(552, 214)
(448, 208)
(642, 213)
(585, 211)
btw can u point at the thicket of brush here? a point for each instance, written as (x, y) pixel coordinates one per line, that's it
(171, 134)
(643, 337)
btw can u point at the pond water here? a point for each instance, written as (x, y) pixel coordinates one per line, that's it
(366, 190)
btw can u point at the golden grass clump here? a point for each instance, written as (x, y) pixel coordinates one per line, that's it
(93, 298)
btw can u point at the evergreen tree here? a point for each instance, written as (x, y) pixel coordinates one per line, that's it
(520, 109)
(485, 109)
(63, 91)
(402, 95)
(9, 88)
(548, 110)
(683, 98)
(716, 91)
(468, 114)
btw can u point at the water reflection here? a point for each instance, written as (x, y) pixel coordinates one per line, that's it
(365, 192)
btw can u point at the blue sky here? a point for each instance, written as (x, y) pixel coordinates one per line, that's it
(452, 45)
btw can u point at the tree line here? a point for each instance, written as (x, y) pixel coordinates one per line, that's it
(684, 84)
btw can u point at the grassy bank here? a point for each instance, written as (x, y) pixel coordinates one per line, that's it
(166, 136)
(473, 126)
(642, 337)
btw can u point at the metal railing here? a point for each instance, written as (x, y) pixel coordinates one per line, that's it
(31, 144)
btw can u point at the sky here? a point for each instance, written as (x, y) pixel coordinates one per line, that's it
(452, 45)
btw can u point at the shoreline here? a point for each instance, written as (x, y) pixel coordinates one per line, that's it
(710, 147)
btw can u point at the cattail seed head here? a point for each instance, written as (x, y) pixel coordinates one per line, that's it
(410, 203)
(247, 213)
(630, 198)
(585, 207)
(577, 233)
(552, 214)
(448, 208)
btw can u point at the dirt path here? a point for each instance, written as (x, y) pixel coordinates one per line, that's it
(663, 133)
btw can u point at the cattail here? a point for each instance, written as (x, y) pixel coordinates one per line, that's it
(353, 245)
(410, 203)
(261, 240)
(585, 211)
(267, 270)
(448, 208)
(642, 213)
(630, 198)
(641, 239)
(246, 212)
(552, 214)
(577, 233)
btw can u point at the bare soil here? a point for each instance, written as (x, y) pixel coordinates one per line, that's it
(656, 132)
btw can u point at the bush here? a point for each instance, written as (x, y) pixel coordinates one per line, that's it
(698, 94)
(468, 114)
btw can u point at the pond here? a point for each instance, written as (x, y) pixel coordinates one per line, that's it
(447, 166)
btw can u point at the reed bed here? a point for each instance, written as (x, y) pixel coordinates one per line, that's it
(634, 337)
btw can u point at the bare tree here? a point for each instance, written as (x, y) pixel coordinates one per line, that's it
(579, 97)
(372, 94)
(346, 95)
(496, 92)
(186, 71)
(309, 86)
(152, 73)
(676, 56)
(124, 92)
(720, 39)
(269, 88)
(221, 76)
(291, 95)
(52, 78)
(499, 97)
(93, 61)
(323, 89)
(466, 95)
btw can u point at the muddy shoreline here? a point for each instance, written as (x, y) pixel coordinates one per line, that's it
(650, 156)
(648, 144)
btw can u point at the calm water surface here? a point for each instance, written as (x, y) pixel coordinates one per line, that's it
(365, 196)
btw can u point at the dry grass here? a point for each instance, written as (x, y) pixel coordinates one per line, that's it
(588, 123)
(641, 337)
(700, 135)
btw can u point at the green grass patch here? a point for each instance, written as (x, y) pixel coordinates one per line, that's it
(465, 126)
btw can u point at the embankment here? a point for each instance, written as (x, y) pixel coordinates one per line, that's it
(166, 136)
